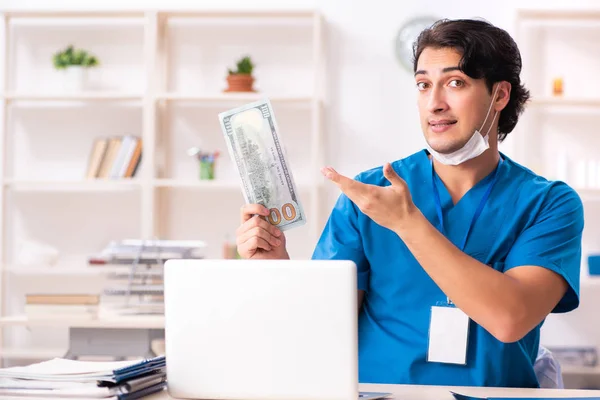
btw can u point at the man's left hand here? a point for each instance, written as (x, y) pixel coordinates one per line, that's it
(389, 206)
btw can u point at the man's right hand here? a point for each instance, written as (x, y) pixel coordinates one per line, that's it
(258, 239)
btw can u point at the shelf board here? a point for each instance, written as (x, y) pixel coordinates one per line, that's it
(125, 322)
(74, 14)
(578, 23)
(84, 96)
(276, 14)
(197, 184)
(96, 271)
(32, 354)
(575, 370)
(307, 13)
(562, 14)
(566, 101)
(214, 184)
(220, 97)
(81, 185)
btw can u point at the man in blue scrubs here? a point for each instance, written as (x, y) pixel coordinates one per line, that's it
(461, 252)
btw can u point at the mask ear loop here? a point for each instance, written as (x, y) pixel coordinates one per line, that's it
(492, 124)
(488, 113)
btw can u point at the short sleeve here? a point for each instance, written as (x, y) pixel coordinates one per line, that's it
(341, 240)
(553, 241)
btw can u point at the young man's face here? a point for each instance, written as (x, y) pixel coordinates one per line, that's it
(451, 104)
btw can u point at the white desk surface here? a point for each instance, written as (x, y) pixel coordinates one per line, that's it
(412, 392)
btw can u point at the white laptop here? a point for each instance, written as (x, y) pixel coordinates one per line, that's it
(256, 329)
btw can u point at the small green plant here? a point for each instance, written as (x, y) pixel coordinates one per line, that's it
(71, 56)
(244, 66)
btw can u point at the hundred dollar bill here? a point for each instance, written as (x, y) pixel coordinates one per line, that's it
(256, 149)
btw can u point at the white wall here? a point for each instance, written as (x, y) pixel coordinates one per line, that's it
(371, 114)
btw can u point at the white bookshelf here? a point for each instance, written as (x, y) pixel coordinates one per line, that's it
(554, 127)
(556, 138)
(161, 77)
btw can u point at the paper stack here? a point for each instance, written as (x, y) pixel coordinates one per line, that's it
(139, 290)
(62, 378)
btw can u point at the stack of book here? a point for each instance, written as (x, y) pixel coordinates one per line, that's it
(61, 305)
(114, 158)
(62, 378)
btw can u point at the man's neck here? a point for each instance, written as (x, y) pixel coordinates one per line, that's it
(459, 179)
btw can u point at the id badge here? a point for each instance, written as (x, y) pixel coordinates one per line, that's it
(448, 335)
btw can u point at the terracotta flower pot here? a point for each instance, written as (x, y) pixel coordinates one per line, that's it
(240, 83)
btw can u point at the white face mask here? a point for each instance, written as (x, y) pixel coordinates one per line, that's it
(477, 144)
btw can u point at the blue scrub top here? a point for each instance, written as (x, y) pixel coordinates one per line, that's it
(527, 220)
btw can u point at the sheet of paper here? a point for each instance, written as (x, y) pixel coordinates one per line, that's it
(68, 368)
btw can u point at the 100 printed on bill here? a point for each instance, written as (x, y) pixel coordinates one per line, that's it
(258, 153)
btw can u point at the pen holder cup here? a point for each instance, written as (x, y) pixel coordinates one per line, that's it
(207, 170)
(594, 265)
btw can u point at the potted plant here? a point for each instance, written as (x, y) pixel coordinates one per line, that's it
(74, 63)
(241, 80)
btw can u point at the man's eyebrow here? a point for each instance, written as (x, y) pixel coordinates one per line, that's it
(445, 70)
(450, 69)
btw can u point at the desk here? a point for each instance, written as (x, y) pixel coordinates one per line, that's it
(412, 392)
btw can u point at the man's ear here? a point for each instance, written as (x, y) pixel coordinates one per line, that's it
(503, 95)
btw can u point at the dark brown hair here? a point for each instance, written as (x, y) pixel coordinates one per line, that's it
(488, 52)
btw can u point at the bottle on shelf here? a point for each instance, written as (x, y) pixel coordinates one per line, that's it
(557, 86)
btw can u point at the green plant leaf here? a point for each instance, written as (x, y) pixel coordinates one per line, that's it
(244, 66)
(71, 56)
